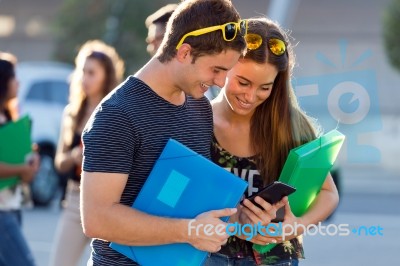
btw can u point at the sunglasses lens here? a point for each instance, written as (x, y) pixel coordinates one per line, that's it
(253, 41)
(230, 31)
(276, 46)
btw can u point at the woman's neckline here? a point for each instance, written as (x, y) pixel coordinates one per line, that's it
(215, 140)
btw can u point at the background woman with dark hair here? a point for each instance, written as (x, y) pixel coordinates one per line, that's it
(98, 71)
(13, 247)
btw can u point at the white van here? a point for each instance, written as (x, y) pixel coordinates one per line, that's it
(43, 94)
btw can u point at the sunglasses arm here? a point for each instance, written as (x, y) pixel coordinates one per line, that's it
(199, 32)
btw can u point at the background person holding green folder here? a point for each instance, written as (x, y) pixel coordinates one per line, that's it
(13, 247)
(256, 122)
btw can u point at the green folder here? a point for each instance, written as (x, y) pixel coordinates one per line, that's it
(15, 144)
(306, 169)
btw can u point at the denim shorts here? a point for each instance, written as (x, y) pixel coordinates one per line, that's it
(13, 247)
(216, 259)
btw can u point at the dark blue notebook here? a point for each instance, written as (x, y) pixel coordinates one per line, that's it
(182, 184)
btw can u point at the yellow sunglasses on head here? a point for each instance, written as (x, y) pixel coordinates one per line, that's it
(229, 31)
(275, 45)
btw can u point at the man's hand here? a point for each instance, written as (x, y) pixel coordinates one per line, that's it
(207, 232)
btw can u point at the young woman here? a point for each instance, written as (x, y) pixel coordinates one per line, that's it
(13, 247)
(256, 122)
(98, 70)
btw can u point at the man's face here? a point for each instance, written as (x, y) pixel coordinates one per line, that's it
(206, 71)
(154, 37)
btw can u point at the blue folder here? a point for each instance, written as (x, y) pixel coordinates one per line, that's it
(182, 184)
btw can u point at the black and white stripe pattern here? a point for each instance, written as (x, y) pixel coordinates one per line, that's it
(127, 133)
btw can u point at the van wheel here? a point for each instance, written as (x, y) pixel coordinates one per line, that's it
(44, 186)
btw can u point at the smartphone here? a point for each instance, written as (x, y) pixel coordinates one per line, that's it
(272, 194)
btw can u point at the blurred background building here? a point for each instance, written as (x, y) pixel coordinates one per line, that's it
(32, 32)
(26, 28)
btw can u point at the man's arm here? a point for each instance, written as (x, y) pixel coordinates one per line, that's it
(105, 218)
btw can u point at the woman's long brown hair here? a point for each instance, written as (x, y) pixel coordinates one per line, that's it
(278, 124)
(114, 69)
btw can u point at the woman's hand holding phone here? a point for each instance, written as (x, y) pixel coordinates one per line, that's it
(249, 213)
(262, 208)
(261, 213)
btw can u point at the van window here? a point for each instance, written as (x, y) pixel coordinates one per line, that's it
(49, 91)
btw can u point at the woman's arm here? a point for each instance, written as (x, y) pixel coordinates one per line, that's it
(324, 204)
(65, 158)
(7, 170)
(25, 171)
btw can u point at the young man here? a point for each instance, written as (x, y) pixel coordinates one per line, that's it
(156, 25)
(130, 127)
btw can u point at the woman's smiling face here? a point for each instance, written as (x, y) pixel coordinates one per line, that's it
(248, 85)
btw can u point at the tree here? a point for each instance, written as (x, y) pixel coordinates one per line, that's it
(391, 33)
(119, 23)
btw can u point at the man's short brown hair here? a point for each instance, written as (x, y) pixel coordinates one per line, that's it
(192, 15)
(161, 16)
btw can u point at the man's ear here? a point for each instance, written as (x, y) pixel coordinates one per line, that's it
(183, 53)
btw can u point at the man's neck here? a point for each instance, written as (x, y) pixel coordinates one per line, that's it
(159, 77)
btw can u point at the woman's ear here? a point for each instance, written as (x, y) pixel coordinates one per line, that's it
(183, 53)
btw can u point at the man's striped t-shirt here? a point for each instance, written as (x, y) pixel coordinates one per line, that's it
(127, 133)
